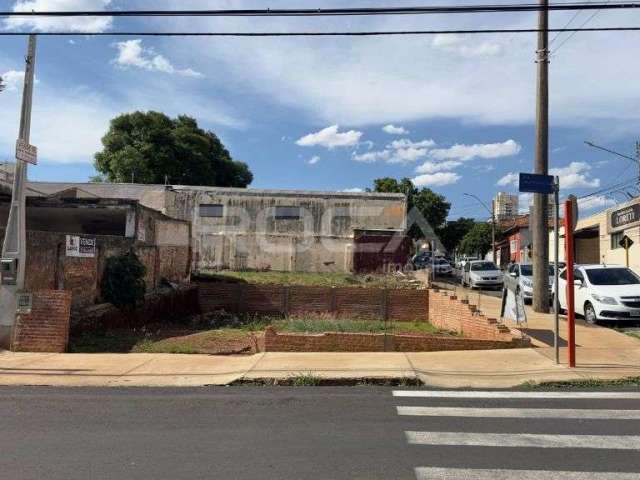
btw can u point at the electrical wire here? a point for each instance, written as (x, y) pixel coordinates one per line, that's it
(573, 33)
(575, 15)
(322, 34)
(314, 12)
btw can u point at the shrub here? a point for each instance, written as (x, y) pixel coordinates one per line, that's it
(123, 281)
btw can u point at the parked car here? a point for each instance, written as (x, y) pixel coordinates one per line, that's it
(524, 273)
(421, 260)
(603, 292)
(442, 267)
(482, 273)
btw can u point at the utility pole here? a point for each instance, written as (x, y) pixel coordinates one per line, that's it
(14, 246)
(540, 220)
(493, 231)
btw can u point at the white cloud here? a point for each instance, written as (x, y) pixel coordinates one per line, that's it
(575, 175)
(469, 152)
(433, 167)
(353, 190)
(436, 179)
(406, 143)
(330, 138)
(131, 53)
(465, 48)
(12, 79)
(597, 201)
(313, 160)
(71, 24)
(371, 157)
(393, 130)
(509, 179)
(525, 201)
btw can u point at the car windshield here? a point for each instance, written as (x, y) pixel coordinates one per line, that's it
(442, 261)
(612, 276)
(527, 270)
(483, 266)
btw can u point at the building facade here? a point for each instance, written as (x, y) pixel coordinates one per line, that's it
(505, 206)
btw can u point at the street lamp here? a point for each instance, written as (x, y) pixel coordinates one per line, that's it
(493, 221)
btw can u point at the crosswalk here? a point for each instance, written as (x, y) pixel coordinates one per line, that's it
(500, 422)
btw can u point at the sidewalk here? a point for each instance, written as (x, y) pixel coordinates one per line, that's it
(602, 353)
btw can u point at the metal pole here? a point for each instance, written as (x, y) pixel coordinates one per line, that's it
(541, 201)
(14, 245)
(493, 230)
(571, 312)
(556, 270)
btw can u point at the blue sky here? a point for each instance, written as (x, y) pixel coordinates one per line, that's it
(311, 113)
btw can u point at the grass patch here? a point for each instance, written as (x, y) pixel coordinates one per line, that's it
(584, 383)
(313, 279)
(305, 380)
(311, 324)
(330, 382)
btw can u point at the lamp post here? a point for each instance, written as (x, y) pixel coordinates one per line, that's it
(493, 221)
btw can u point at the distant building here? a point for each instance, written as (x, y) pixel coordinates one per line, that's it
(505, 206)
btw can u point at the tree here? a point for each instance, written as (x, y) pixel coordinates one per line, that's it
(433, 206)
(150, 147)
(453, 232)
(123, 282)
(1, 84)
(477, 241)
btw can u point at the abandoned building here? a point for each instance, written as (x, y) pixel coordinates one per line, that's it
(284, 230)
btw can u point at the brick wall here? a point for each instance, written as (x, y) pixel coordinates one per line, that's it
(163, 304)
(449, 313)
(364, 303)
(46, 328)
(370, 342)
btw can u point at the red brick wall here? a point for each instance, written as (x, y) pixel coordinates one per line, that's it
(370, 342)
(46, 328)
(364, 303)
(449, 313)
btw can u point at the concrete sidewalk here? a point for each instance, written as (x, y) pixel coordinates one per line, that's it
(480, 369)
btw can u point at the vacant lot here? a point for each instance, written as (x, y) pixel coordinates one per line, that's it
(315, 279)
(241, 338)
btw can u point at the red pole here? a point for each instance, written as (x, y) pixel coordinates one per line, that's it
(571, 307)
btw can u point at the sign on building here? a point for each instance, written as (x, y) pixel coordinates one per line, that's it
(26, 153)
(82, 247)
(24, 303)
(625, 217)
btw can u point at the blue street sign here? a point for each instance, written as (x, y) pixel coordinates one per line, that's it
(534, 183)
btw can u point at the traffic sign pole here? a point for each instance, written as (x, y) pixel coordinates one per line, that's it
(571, 308)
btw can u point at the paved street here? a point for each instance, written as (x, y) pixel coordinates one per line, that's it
(318, 433)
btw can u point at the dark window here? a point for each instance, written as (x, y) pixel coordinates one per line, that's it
(287, 213)
(612, 276)
(483, 266)
(211, 210)
(616, 238)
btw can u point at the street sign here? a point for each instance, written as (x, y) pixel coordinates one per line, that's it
(26, 153)
(534, 183)
(626, 242)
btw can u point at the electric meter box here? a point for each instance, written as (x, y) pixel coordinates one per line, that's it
(8, 271)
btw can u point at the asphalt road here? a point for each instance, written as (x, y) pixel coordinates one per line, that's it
(313, 433)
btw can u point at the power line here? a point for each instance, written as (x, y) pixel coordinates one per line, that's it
(571, 36)
(575, 15)
(322, 34)
(315, 12)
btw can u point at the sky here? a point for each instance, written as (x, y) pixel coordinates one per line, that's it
(456, 113)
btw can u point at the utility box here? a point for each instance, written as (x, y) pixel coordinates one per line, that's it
(8, 271)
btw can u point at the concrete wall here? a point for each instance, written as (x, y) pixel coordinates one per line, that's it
(248, 236)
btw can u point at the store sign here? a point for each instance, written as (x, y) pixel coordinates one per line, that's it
(625, 216)
(82, 247)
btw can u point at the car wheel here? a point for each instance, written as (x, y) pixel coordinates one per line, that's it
(590, 314)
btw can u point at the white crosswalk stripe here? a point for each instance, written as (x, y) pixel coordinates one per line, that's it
(619, 442)
(477, 474)
(520, 413)
(520, 438)
(516, 395)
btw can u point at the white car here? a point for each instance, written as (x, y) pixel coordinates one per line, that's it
(482, 274)
(603, 292)
(524, 273)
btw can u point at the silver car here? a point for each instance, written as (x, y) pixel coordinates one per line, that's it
(482, 274)
(523, 272)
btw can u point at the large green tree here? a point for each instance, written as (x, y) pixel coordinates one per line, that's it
(150, 147)
(433, 206)
(477, 241)
(454, 231)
